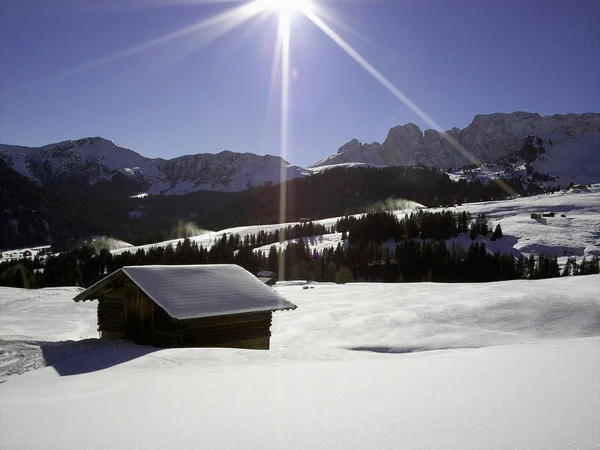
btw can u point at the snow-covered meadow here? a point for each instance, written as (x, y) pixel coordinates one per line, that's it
(496, 365)
(577, 234)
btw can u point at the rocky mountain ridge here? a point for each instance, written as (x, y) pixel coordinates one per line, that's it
(491, 146)
(487, 139)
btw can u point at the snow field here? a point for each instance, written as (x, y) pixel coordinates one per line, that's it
(416, 365)
(510, 365)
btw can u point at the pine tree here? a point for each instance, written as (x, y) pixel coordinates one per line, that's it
(594, 266)
(497, 234)
(583, 267)
(521, 267)
(530, 267)
(473, 232)
(18, 279)
(566, 269)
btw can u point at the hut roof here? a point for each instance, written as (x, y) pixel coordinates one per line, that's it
(193, 291)
(265, 273)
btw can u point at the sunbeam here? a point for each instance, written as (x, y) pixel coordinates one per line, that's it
(284, 37)
(286, 7)
(275, 71)
(218, 25)
(397, 92)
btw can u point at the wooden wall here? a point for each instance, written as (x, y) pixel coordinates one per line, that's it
(111, 317)
(128, 313)
(249, 330)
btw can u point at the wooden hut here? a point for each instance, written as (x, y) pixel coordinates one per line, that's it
(268, 277)
(186, 306)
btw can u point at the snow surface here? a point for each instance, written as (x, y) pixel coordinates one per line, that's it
(192, 291)
(350, 165)
(576, 235)
(315, 243)
(27, 252)
(511, 365)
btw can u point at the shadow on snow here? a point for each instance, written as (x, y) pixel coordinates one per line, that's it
(399, 349)
(90, 355)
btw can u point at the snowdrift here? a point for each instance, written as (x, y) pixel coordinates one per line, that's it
(424, 365)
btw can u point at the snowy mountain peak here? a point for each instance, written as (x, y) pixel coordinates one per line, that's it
(409, 130)
(487, 139)
(351, 146)
(90, 160)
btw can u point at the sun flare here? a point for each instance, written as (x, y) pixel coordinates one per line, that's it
(285, 7)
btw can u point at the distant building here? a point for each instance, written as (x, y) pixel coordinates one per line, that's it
(266, 276)
(186, 306)
(266, 273)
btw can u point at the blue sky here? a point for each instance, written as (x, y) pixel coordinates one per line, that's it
(454, 59)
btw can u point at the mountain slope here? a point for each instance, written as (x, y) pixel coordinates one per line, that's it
(574, 139)
(29, 215)
(224, 171)
(91, 160)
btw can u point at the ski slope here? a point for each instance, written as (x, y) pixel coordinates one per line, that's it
(419, 365)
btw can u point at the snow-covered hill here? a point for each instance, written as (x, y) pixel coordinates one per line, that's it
(572, 145)
(91, 160)
(572, 232)
(419, 365)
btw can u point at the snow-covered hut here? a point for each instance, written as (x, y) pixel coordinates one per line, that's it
(267, 277)
(220, 305)
(266, 274)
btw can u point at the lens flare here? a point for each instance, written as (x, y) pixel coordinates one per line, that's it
(286, 7)
(284, 37)
(214, 27)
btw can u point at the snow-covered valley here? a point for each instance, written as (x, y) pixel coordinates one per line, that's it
(512, 364)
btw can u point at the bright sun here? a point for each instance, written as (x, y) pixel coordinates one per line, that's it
(286, 7)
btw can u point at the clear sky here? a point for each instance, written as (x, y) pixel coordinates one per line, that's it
(207, 91)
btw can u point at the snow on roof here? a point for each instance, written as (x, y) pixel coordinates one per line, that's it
(193, 291)
(265, 273)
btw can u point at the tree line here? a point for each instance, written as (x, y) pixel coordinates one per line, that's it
(374, 247)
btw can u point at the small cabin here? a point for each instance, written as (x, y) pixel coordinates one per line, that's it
(220, 305)
(266, 274)
(268, 277)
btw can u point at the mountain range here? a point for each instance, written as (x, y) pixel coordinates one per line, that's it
(95, 159)
(557, 149)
